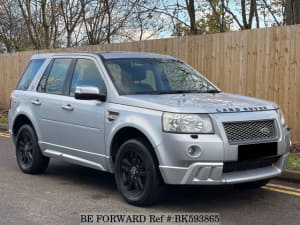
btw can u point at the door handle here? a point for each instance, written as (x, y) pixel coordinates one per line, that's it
(36, 102)
(68, 107)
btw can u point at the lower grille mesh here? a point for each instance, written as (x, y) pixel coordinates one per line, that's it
(249, 164)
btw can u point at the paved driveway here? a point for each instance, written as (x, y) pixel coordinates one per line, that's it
(65, 191)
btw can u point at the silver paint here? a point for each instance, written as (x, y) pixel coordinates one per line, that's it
(84, 134)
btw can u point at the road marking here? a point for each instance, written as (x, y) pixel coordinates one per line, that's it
(2, 134)
(281, 191)
(284, 187)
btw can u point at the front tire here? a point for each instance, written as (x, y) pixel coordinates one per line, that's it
(28, 153)
(136, 174)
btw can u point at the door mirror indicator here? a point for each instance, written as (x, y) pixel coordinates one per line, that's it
(89, 93)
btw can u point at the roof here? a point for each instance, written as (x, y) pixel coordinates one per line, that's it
(115, 55)
(106, 55)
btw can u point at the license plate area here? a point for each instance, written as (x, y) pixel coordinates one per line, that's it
(255, 151)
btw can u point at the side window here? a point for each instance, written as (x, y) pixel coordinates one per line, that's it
(43, 81)
(29, 73)
(85, 73)
(57, 76)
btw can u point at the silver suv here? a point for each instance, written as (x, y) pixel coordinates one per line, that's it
(150, 119)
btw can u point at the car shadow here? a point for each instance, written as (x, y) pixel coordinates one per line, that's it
(76, 174)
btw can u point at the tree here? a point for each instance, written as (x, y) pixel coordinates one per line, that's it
(211, 17)
(41, 18)
(190, 6)
(39, 24)
(143, 22)
(103, 20)
(182, 15)
(72, 14)
(12, 34)
(248, 13)
(248, 9)
(292, 11)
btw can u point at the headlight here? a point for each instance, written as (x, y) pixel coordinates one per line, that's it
(281, 116)
(187, 123)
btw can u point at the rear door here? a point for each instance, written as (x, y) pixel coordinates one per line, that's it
(49, 99)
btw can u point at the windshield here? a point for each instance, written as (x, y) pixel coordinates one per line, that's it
(156, 76)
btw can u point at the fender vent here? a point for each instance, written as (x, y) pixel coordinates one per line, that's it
(112, 116)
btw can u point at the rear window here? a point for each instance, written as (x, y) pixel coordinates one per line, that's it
(29, 73)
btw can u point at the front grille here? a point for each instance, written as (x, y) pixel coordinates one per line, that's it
(250, 131)
(249, 164)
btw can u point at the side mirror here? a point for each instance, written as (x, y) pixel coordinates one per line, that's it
(89, 93)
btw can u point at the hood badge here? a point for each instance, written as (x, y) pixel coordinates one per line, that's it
(243, 109)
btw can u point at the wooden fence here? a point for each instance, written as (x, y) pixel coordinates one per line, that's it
(263, 63)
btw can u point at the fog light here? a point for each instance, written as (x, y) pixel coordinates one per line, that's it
(193, 151)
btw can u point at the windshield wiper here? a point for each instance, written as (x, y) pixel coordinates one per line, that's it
(184, 91)
(175, 92)
(212, 91)
(170, 92)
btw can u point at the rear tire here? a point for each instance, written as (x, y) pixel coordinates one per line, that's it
(28, 153)
(253, 185)
(136, 174)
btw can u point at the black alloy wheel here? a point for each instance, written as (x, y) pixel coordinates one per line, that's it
(28, 153)
(136, 173)
(133, 173)
(25, 149)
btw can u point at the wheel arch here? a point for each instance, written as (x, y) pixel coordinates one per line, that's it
(130, 132)
(20, 120)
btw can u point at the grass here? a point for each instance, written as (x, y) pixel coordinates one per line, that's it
(4, 120)
(294, 162)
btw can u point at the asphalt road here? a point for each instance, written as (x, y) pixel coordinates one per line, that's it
(65, 191)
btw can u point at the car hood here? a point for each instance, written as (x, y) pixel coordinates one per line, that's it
(197, 102)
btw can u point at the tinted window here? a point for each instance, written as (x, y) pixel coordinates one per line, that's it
(29, 73)
(57, 76)
(86, 73)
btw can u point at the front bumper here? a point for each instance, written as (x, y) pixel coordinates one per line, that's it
(212, 173)
(178, 168)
